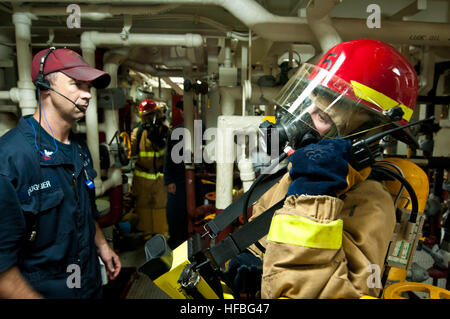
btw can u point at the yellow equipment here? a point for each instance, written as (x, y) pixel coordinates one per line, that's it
(177, 276)
(406, 234)
(395, 290)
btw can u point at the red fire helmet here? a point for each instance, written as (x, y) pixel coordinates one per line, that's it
(381, 76)
(147, 106)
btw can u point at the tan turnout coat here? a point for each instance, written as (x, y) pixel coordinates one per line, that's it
(294, 271)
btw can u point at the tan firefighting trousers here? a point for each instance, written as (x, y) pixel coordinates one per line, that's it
(151, 199)
(298, 266)
(148, 187)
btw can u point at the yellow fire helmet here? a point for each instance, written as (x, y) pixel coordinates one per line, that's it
(414, 175)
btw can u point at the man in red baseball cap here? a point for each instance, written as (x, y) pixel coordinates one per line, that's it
(50, 240)
(71, 64)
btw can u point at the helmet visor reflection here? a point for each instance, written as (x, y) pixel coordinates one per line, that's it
(326, 103)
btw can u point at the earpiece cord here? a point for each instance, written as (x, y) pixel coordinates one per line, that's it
(34, 227)
(37, 137)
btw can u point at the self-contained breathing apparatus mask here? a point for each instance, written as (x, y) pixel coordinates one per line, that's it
(156, 130)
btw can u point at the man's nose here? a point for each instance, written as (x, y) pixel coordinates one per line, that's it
(86, 92)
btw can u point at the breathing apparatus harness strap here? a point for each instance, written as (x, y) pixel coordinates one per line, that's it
(263, 183)
(249, 234)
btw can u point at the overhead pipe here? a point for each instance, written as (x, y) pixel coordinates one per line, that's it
(320, 23)
(99, 12)
(101, 39)
(295, 29)
(147, 68)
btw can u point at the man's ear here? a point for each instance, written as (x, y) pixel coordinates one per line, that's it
(44, 93)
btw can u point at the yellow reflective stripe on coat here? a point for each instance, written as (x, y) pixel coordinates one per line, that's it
(147, 175)
(151, 154)
(370, 95)
(301, 231)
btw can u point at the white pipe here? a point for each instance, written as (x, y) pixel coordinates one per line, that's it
(226, 154)
(426, 77)
(13, 94)
(247, 173)
(99, 12)
(320, 23)
(114, 179)
(4, 95)
(294, 29)
(146, 68)
(188, 114)
(92, 123)
(81, 127)
(174, 62)
(112, 60)
(227, 60)
(173, 85)
(27, 101)
(91, 38)
(244, 69)
(226, 101)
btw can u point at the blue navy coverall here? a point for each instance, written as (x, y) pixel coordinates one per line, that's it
(56, 199)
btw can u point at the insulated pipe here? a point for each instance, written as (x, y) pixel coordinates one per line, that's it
(13, 95)
(247, 173)
(146, 68)
(211, 120)
(22, 24)
(294, 29)
(99, 12)
(112, 61)
(88, 52)
(114, 39)
(320, 23)
(188, 114)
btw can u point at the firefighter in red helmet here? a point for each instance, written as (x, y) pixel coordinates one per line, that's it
(148, 142)
(336, 223)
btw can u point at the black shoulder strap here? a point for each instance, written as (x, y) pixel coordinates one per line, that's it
(234, 210)
(250, 233)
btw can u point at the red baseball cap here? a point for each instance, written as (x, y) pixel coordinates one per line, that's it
(71, 64)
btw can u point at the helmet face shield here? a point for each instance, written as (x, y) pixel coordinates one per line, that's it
(326, 104)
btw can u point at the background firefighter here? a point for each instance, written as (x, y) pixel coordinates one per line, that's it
(148, 142)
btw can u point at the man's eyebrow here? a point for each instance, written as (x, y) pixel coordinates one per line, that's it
(83, 82)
